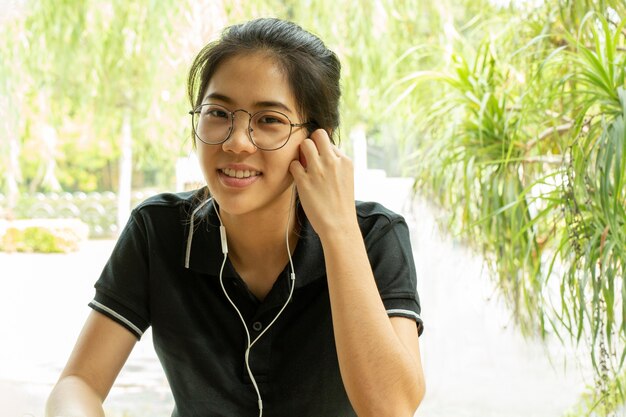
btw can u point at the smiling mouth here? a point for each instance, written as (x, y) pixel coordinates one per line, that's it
(232, 173)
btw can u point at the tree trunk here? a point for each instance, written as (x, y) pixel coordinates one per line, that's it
(126, 169)
(358, 140)
(13, 174)
(49, 138)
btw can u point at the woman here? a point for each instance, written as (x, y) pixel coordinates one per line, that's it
(276, 295)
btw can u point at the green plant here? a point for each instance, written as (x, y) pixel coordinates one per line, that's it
(525, 148)
(44, 236)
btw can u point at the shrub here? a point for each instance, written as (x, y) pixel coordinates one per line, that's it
(43, 235)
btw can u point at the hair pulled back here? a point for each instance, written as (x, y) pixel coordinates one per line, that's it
(312, 70)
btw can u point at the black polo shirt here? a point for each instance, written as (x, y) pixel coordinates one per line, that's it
(197, 334)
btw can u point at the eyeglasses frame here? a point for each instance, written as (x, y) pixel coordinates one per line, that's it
(196, 110)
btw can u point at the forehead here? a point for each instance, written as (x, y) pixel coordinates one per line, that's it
(250, 80)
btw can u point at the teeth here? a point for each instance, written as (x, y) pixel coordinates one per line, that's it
(240, 174)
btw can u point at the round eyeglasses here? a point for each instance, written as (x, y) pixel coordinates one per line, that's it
(268, 130)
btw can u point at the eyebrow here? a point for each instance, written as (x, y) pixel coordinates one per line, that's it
(258, 104)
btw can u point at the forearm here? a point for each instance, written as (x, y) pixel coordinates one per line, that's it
(73, 397)
(380, 375)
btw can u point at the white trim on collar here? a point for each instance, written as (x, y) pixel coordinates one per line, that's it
(191, 230)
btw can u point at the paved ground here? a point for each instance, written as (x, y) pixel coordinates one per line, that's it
(475, 362)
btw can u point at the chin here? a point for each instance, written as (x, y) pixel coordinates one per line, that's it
(235, 205)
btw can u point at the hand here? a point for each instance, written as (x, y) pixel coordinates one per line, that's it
(324, 178)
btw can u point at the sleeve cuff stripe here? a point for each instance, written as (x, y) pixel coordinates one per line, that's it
(399, 311)
(117, 316)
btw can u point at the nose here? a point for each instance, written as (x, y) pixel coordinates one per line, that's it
(239, 139)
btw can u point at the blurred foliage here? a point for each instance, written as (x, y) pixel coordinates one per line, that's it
(523, 146)
(73, 68)
(44, 236)
(510, 117)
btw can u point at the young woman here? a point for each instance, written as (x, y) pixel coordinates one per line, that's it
(269, 292)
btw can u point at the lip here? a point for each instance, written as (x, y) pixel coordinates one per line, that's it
(238, 182)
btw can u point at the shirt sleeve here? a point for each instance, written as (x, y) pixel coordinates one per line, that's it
(122, 291)
(389, 250)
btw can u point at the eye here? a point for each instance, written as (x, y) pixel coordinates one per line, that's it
(216, 113)
(213, 111)
(268, 119)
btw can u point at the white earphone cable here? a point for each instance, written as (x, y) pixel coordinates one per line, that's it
(292, 276)
(292, 282)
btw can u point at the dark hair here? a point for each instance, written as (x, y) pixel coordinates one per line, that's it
(312, 70)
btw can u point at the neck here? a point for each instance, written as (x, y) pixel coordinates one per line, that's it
(260, 236)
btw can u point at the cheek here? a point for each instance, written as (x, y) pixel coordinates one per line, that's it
(206, 159)
(277, 162)
(294, 151)
(295, 142)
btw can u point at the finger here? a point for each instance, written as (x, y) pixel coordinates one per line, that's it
(301, 158)
(338, 151)
(322, 142)
(310, 152)
(296, 169)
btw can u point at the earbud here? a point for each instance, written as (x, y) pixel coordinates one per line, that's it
(224, 241)
(222, 231)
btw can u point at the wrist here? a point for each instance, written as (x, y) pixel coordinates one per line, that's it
(341, 232)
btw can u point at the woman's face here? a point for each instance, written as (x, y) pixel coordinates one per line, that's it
(242, 178)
